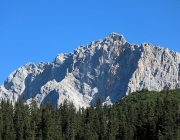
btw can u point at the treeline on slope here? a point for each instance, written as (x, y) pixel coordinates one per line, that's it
(144, 115)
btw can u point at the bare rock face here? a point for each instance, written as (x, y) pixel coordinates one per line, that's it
(107, 69)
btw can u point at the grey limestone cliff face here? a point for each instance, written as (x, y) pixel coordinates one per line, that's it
(107, 69)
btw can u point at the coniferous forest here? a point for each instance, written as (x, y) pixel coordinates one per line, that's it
(143, 115)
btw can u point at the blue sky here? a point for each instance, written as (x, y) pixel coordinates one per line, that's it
(38, 30)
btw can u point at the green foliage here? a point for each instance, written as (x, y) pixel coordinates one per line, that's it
(143, 115)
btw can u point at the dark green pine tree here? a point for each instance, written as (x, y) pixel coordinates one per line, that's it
(18, 119)
(104, 127)
(33, 119)
(150, 121)
(57, 124)
(33, 130)
(38, 121)
(26, 123)
(65, 118)
(1, 118)
(99, 107)
(160, 135)
(168, 126)
(113, 124)
(123, 128)
(140, 129)
(79, 119)
(131, 118)
(8, 132)
(96, 127)
(47, 122)
(1, 123)
(88, 120)
(88, 134)
(71, 124)
(104, 120)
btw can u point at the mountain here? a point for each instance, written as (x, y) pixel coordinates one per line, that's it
(107, 69)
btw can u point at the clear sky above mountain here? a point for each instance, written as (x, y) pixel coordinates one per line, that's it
(38, 30)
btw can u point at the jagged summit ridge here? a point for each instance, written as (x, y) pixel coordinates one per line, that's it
(109, 68)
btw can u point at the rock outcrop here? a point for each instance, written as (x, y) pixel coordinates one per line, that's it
(107, 69)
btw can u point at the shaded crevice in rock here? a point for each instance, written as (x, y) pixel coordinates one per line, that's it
(33, 82)
(52, 98)
(59, 71)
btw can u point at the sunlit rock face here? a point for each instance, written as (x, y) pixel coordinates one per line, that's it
(107, 69)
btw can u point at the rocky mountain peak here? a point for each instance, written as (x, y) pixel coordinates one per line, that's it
(114, 37)
(108, 69)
